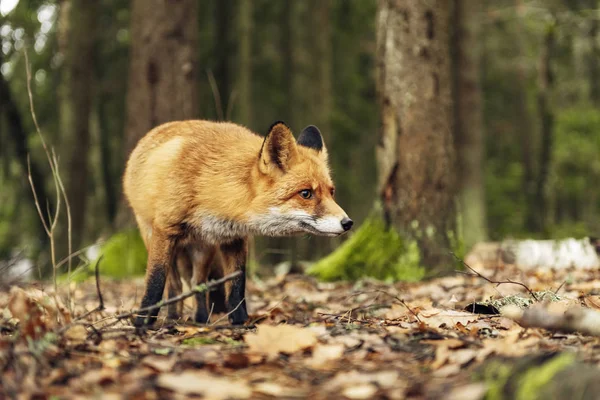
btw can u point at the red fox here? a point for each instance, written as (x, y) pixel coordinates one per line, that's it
(199, 189)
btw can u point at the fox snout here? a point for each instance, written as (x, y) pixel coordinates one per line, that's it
(347, 223)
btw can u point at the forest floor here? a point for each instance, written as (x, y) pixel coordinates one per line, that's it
(308, 339)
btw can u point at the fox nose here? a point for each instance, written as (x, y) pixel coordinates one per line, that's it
(347, 223)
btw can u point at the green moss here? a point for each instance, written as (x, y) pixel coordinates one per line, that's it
(496, 376)
(198, 341)
(372, 251)
(124, 255)
(535, 379)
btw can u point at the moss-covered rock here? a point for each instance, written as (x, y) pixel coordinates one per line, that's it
(372, 251)
(124, 255)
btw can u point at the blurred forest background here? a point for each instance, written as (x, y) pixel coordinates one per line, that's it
(506, 93)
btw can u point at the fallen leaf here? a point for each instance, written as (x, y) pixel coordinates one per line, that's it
(362, 391)
(204, 384)
(272, 340)
(323, 355)
(76, 333)
(160, 364)
(436, 318)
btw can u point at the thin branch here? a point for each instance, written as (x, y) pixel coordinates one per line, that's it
(497, 283)
(401, 301)
(229, 313)
(197, 289)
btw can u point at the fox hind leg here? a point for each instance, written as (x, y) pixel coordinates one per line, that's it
(234, 259)
(202, 256)
(160, 257)
(181, 267)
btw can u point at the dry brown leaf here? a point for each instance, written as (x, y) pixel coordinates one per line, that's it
(272, 340)
(204, 384)
(76, 333)
(436, 318)
(158, 363)
(397, 311)
(592, 302)
(324, 355)
(361, 391)
(447, 370)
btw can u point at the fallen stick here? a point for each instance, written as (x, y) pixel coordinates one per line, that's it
(575, 319)
(196, 289)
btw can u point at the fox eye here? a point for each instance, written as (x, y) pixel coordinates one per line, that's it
(306, 193)
(332, 192)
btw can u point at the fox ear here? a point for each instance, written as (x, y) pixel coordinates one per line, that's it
(311, 137)
(278, 151)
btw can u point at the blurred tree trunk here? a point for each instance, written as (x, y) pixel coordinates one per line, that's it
(546, 115)
(468, 119)
(223, 50)
(321, 100)
(524, 131)
(244, 64)
(320, 54)
(594, 60)
(18, 136)
(80, 65)
(163, 70)
(415, 151)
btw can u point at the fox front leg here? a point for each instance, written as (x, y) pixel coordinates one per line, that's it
(160, 257)
(234, 259)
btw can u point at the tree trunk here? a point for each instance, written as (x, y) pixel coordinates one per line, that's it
(163, 69)
(468, 128)
(320, 101)
(415, 151)
(523, 123)
(80, 65)
(244, 88)
(593, 62)
(18, 135)
(545, 84)
(223, 50)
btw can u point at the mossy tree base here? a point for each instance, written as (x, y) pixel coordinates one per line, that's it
(372, 251)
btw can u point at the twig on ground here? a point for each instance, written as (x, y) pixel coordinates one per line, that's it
(495, 282)
(229, 313)
(197, 289)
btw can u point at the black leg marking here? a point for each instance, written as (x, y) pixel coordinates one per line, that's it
(237, 299)
(235, 254)
(155, 287)
(202, 311)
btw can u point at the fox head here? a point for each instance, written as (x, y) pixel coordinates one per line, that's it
(295, 186)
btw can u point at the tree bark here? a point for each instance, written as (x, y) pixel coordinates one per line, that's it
(546, 115)
(80, 65)
(244, 88)
(468, 118)
(415, 151)
(18, 136)
(163, 70)
(223, 51)
(593, 61)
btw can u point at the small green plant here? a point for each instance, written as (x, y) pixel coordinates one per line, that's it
(124, 255)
